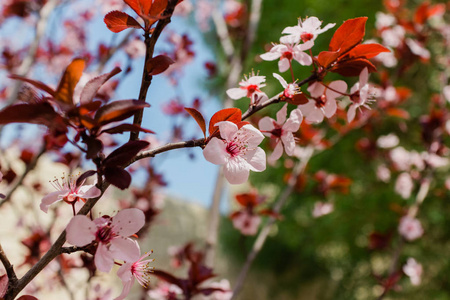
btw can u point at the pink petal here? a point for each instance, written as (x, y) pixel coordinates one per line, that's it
(339, 86)
(128, 221)
(303, 58)
(281, 115)
(364, 77)
(330, 108)
(277, 152)
(124, 272)
(351, 112)
(236, 93)
(295, 119)
(256, 159)
(269, 56)
(124, 249)
(227, 129)
(52, 198)
(283, 65)
(80, 231)
(126, 289)
(254, 137)
(236, 171)
(257, 80)
(215, 152)
(266, 124)
(103, 259)
(311, 112)
(89, 191)
(316, 89)
(289, 143)
(306, 46)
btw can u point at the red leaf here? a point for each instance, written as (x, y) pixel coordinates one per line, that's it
(326, 58)
(228, 114)
(168, 278)
(158, 64)
(35, 113)
(91, 88)
(27, 297)
(40, 85)
(116, 21)
(248, 199)
(69, 80)
(118, 110)
(353, 67)
(124, 128)
(367, 50)
(158, 7)
(298, 99)
(125, 153)
(348, 35)
(141, 7)
(198, 118)
(118, 177)
(4, 281)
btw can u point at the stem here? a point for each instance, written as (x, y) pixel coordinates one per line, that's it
(8, 267)
(150, 42)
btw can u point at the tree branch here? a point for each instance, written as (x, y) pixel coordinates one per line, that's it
(8, 267)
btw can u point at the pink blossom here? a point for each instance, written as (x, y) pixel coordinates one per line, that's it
(224, 285)
(282, 131)
(322, 208)
(111, 234)
(249, 87)
(246, 223)
(360, 95)
(446, 92)
(135, 48)
(417, 48)
(388, 141)
(413, 270)
(70, 192)
(323, 102)
(165, 291)
(383, 173)
(384, 20)
(404, 185)
(290, 90)
(288, 51)
(410, 228)
(393, 37)
(306, 30)
(237, 151)
(139, 270)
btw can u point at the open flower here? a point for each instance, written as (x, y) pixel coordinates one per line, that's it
(282, 131)
(410, 228)
(139, 269)
(249, 87)
(306, 30)
(360, 94)
(287, 52)
(70, 192)
(413, 270)
(111, 234)
(237, 151)
(324, 100)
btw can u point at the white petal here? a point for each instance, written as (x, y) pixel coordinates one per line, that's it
(227, 129)
(316, 89)
(330, 108)
(289, 143)
(254, 137)
(80, 231)
(281, 115)
(340, 86)
(277, 152)
(215, 152)
(269, 56)
(256, 159)
(280, 79)
(295, 119)
(351, 112)
(88, 191)
(236, 93)
(128, 221)
(266, 124)
(283, 65)
(236, 171)
(303, 58)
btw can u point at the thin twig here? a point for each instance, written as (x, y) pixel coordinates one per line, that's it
(8, 267)
(29, 168)
(264, 233)
(150, 42)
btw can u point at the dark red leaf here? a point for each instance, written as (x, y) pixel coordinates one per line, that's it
(367, 50)
(38, 84)
(118, 177)
(69, 80)
(248, 199)
(158, 64)
(94, 146)
(298, 99)
(348, 35)
(118, 110)
(85, 175)
(27, 297)
(228, 114)
(36, 113)
(124, 128)
(141, 7)
(353, 67)
(198, 118)
(209, 291)
(91, 88)
(125, 153)
(116, 21)
(168, 278)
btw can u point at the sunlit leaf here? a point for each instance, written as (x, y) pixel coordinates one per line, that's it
(69, 80)
(367, 50)
(158, 64)
(125, 153)
(228, 114)
(38, 84)
(118, 110)
(91, 88)
(198, 118)
(125, 128)
(116, 21)
(348, 35)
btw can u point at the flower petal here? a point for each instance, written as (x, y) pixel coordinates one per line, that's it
(126, 288)
(215, 152)
(236, 93)
(128, 221)
(351, 112)
(124, 249)
(281, 115)
(80, 231)
(280, 79)
(277, 152)
(103, 259)
(283, 65)
(266, 124)
(253, 136)
(256, 159)
(295, 119)
(330, 108)
(227, 129)
(289, 143)
(88, 191)
(236, 170)
(52, 198)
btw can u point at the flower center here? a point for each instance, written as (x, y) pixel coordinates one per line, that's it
(320, 102)
(233, 149)
(277, 132)
(288, 55)
(104, 234)
(306, 36)
(251, 89)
